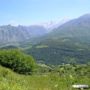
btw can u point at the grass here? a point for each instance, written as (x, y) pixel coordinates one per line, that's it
(42, 46)
(10, 80)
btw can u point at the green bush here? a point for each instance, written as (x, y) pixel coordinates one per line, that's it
(17, 61)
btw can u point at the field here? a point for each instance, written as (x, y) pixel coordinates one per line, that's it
(61, 78)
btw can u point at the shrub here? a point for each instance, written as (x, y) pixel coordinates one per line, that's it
(17, 61)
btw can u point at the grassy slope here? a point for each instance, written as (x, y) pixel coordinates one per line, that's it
(49, 81)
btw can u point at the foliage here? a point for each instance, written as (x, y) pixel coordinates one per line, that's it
(70, 41)
(17, 61)
(61, 78)
(58, 54)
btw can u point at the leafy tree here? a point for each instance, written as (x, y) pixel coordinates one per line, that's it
(17, 61)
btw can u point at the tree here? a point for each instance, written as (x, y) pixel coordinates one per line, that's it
(17, 61)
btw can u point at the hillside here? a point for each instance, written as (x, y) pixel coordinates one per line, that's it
(17, 34)
(19, 71)
(61, 79)
(69, 43)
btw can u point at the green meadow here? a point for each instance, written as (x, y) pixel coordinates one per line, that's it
(54, 80)
(19, 71)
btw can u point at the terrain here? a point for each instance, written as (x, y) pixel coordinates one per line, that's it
(62, 78)
(69, 43)
(31, 58)
(14, 35)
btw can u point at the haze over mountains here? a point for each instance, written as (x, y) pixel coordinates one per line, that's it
(16, 34)
(78, 29)
(54, 24)
(66, 43)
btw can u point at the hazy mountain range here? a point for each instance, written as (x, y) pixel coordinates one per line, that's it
(15, 34)
(53, 24)
(66, 43)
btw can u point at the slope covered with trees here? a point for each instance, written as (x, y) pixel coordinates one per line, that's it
(67, 43)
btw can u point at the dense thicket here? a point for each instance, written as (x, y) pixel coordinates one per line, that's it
(17, 61)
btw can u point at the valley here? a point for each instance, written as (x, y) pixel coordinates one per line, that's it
(31, 58)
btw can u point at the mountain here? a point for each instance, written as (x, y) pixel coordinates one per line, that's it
(75, 28)
(15, 34)
(69, 43)
(53, 24)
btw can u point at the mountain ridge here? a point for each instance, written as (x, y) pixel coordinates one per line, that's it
(11, 34)
(68, 43)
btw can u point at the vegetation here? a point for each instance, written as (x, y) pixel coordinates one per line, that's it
(15, 65)
(61, 53)
(63, 56)
(17, 61)
(68, 43)
(61, 78)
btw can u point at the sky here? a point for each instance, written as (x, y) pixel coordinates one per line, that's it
(27, 12)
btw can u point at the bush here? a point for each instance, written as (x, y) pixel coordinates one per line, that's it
(17, 61)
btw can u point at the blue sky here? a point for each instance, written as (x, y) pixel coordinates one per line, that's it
(27, 12)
